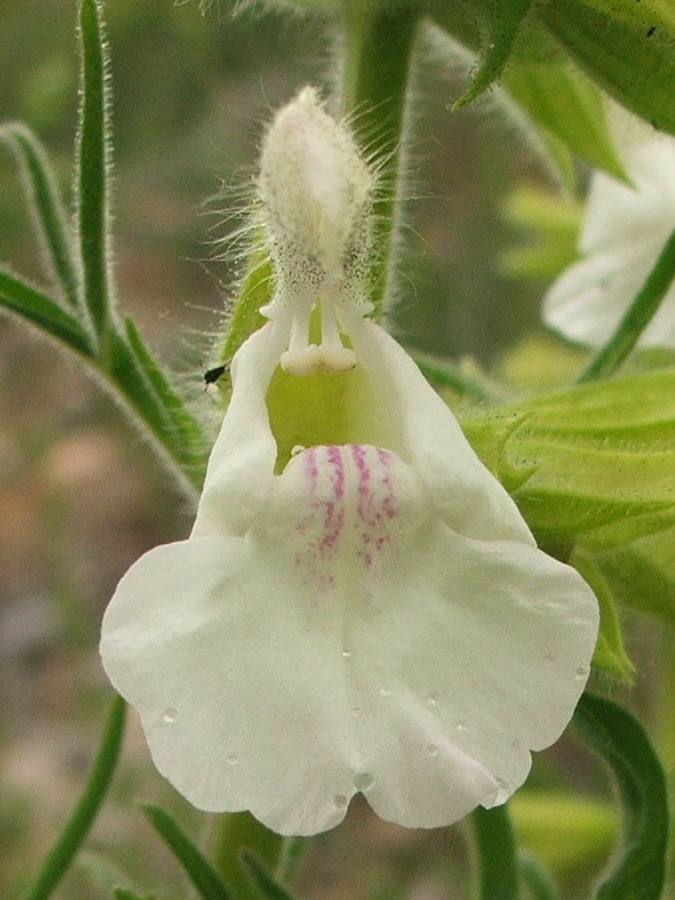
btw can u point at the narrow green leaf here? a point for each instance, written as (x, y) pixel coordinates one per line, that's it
(567, 108)
(496, 853)
(636, 318)
(121, 893)
(627, 47)
(129, 377)
(505, 20)
(268, 887)
(48, 212)
(188, 436)
(638, 869)
(93, 165)
(43, 312)
(234, 833)
(76, 828)
(535, 878)
(200, 872)
(291, 854)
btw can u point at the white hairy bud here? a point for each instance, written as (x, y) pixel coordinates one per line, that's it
(316, 194)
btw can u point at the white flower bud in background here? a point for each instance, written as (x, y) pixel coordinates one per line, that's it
(316, 194)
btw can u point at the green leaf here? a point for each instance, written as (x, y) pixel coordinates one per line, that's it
(592, 467)
(638, 868)
(567, 109)
(80, 820)
(130, 376)
(234, 834)
(43, 312)
(504, 22)
(267, 886)
(92, 166)
(186, 434)
(496, 854)
(48, 212)
(535, 878)
(121, 893)
(200, 872)
(628, 47)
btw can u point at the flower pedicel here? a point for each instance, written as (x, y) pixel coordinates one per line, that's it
(360, 606)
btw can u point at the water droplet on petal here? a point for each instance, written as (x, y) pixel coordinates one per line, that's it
(549, 659)
(432, 749)
(297, 449)
(581, 674)
(363, 781)
(347, 654)
(385, 692)
(340, 801)
(170, 715)
(433, 697)
(462, 726)
(232, 760)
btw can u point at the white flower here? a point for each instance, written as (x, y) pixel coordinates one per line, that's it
(360, 606)
(624, 230)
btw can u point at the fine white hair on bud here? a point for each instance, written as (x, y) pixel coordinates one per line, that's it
(316, 193)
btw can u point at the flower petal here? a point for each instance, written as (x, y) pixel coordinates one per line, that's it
(421, 678)
(587, 302)
(237, 675)
(241, 464)
(468, 497)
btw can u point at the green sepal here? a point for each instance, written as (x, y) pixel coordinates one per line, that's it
(568, 112)
(43, 312)
(504, 22)
(628, 47)
(47, 208)
(592, 467)
(267, 886)
(203, 876)
(610, 654)
(256, 290)
(639, 865)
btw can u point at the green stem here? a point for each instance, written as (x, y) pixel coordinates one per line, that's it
(496, 851)
(75, 831)
(378, 47)
(636, 318)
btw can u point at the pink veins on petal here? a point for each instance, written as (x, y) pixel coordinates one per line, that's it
(350, 505)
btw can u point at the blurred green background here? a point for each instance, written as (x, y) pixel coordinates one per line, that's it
(80, 498)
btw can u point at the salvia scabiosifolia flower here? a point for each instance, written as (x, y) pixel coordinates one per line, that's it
(624, 229)
(360, 607)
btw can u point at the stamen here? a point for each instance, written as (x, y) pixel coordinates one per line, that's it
(303, 358)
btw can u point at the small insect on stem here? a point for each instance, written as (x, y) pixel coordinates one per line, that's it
(211, 376)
